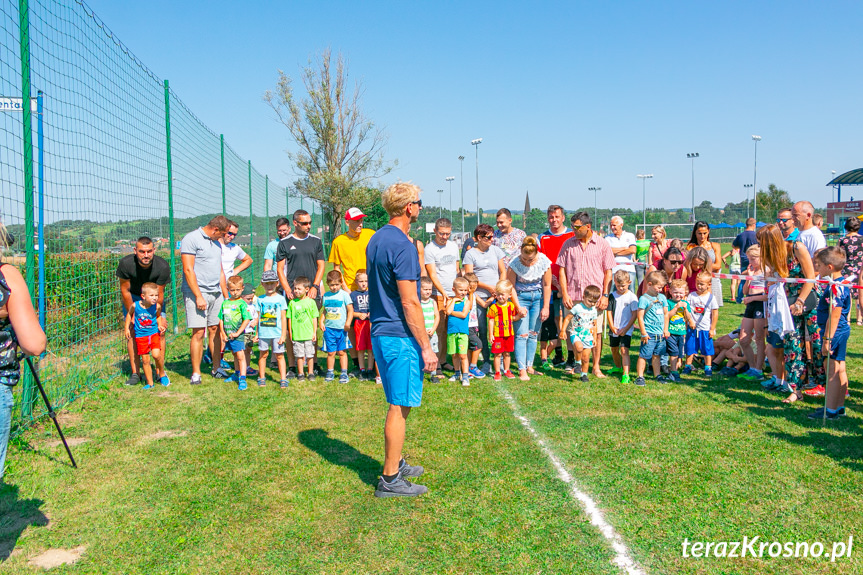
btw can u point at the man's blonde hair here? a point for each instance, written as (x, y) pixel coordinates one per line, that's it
(398, 195)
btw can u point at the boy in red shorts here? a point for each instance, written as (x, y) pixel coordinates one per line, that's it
(146, 317)
(501, 319)
(362, 327)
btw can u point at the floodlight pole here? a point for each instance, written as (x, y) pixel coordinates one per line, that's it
(450, 179)
(594, 190)
(756, 139)
(692, 157)
(476, 144)
(461, 181)
(748, 187)
(644, 199)
(440, 202)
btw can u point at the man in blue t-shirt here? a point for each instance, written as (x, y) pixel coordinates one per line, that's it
(744, 240)
(399, 340)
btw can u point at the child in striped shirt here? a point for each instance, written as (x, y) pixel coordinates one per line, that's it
(501, 318)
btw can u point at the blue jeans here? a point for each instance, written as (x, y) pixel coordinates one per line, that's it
(527, 328)
(6, 403)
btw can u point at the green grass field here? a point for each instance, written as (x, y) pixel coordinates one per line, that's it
(211, 480)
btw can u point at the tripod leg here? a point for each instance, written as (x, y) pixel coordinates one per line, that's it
(51, 413)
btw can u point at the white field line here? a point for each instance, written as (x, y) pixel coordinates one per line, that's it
(622, 557)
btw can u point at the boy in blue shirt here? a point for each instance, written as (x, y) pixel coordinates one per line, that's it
(272, 327)
(335, 323)
(834, 328)
(653, 324)
(457, 328)
(149, 324)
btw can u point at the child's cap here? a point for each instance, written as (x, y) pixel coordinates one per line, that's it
(269, 276)
(248, 290)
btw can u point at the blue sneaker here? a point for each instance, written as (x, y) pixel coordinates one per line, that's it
(207, 358)
(674, 377)
(225, 365)
(165, 381)
(344, 378)
(331, 375)
(708, 371)
(148, 386)
(241, 385)
(233, 377)
(251, 372)
(686, 370)
(476, 372)
(752, 374)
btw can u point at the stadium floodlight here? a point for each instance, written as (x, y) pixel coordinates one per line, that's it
(440, 203)
(476, 143)
(644, 199)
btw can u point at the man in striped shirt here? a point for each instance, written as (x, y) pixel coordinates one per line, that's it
(585, 259)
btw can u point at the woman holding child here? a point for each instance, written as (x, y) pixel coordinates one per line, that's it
(671, 263)
(530, 273)
(701, 238)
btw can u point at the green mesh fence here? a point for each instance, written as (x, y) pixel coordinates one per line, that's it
(87, 172)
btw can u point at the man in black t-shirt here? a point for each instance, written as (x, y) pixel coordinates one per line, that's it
(300, 254)
(743, 241)
(134, 271)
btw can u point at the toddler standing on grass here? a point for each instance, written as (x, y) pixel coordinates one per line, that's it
(582, 318)
(501, 317)
(835, 330)
(251, 333)
(302, 317)
(272, 327)
(621, 314)
(362, 327)
(335, 323)
(234, 316)
(146, 315)
(705, 313)
(653, 324)
(679, 320)
(431, 318)
(474, 344)
(458, 310)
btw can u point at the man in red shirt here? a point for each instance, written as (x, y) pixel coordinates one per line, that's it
(585, 259)
(550, 242)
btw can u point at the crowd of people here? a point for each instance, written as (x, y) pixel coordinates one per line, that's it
(547, 299)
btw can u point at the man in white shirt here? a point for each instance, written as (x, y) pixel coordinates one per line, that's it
(442, 264)
(623, 247)
(810, 236)
(231, 252)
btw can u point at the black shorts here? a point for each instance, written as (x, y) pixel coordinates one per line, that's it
(473, 341)
(548, 331)
(620, 340)
(754, 310)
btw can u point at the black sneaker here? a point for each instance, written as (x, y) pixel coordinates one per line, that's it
(410, 470)
(584, 378)
(134, 379)
(301, 377)
(819, 414)
(220, 373)
(291, 374)
(639, 381)
(400, 487)
(662, 379)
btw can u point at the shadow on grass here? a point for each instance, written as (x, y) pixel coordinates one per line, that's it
(340, 453)
(846, 450)
(16, 515)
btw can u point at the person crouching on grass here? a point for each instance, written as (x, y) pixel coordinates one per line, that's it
(501, 317)
(234, 316)
(835, 329)
(679, 321)
(303, 328)
(272, 327)
(146, 316)
(582, 334)
(653, 324)
(458, 310)
(335, 323)
(705, 313)
(621, 314)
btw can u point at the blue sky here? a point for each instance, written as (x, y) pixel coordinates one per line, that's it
(565, 95)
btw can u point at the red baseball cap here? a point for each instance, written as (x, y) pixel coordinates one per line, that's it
(354, 214)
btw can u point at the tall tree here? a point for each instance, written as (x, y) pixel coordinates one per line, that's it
(339, 150)
(772, 201)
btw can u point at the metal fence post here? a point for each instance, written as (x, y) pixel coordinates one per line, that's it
(267, 208)
(222, 141)
(171, 207)
(251, 213)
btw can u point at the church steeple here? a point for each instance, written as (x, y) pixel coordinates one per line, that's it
(526, 209)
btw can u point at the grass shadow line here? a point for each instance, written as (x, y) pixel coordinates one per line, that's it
(341, 453)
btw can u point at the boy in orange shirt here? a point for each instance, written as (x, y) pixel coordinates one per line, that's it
(501, 318)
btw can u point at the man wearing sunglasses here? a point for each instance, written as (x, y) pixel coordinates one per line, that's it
(231, 252)
(785, 221)
(743, 241)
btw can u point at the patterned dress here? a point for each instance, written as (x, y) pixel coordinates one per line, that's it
(794, 342)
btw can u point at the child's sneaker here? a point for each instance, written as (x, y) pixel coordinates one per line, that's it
(639, 381)
(465, 382)
(378, 380)
(545, 366)
(233, 377)
(819, 414)
(195, 379)
(708, 371)
(686, 370)
(625, 378)
(497, 376)
(301, 377)
(331, 375)
(569, 367)
(663, 379)
(456, 376)
(165, 381)
(207, 357)
(584, 378)
(817, 391)
(250, 372)
(225, 365)
(241, 384)
(729, 371)
(343, 378)
(615, 369)
(262, 382)
(147, 386)
(508, 374)
(283, 384)
(751, 374)
(475, 372)
(220, 374)
(674, 377)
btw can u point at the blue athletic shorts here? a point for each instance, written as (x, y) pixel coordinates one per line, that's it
(655, 345)
(839, 345)
(400, 362)
(336, 339)
(233, 345)
(676, 345)
(698, 341)
(775, 340)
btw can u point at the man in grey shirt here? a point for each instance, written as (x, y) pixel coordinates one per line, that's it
(203, 289)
